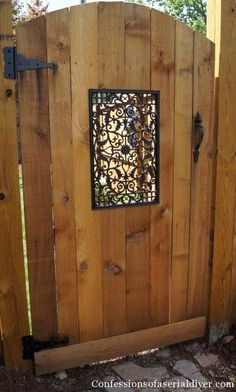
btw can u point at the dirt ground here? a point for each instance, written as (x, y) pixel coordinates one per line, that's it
(80, 379)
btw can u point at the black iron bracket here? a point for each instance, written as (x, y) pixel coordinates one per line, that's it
(31, 345)
(198, 135)
(17, 63)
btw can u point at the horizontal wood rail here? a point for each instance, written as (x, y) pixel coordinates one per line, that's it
(48, 361)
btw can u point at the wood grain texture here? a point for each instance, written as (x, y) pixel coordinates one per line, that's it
(48, 361)
(226, 171)
(13, 307)
(84, 74)
(111, 75)
(137, 76)
(58, 44)
(35, 139)
(162, 78)
(182, 170)
(162, 266)
(201, 180)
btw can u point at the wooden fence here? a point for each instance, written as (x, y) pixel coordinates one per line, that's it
(105, 274)
(222, 30)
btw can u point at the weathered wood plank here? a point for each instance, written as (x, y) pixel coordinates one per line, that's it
(182, 170)
(162, 78)
(225, 39)
(80, 354)
(88, 223)
(111, 75)
(137, 76)
(58, 44)
(201, 180)
(35, 139)
(13, 307)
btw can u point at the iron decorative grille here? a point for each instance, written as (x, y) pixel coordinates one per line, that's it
(124, 137)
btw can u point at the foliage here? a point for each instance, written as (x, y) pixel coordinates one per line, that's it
(150, 3)
(18, 14)
(33, 9)
(36, 8)
(191, 12)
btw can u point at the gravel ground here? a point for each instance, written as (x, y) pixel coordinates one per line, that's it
(80, 379)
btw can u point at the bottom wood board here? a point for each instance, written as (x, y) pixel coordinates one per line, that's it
(49, 361)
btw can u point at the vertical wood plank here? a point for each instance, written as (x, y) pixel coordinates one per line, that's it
(35, 139)
(84, 73)
(211, 19)
(58, 43)
(111, 75)
(182, 170)
(214, 31)
(13, 307)
(162, 78)
(225, 39)
(137, 76)
(201, 180)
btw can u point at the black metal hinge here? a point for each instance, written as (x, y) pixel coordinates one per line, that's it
(17, 63)
(31, 345)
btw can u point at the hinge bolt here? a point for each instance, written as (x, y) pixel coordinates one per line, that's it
(8, 93)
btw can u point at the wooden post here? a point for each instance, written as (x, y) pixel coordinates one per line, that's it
(13, 307)
(222, 30)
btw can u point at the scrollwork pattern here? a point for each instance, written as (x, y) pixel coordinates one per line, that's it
(124, 142)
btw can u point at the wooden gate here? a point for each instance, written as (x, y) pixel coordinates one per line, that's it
(114, 281)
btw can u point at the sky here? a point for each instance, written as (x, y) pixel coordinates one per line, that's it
(58, 4)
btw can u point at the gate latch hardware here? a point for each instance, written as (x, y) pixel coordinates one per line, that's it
(198, 134)
(31, 346)
(17, 63)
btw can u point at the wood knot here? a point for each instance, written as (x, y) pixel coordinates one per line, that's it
(65, 197)
(83, 266)
(60, 45)
(40, 133)
(136, 234)
(129, 25)
(8, 93)
(2, 196)
(228, 267)
(162, 211)
(112, 268)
